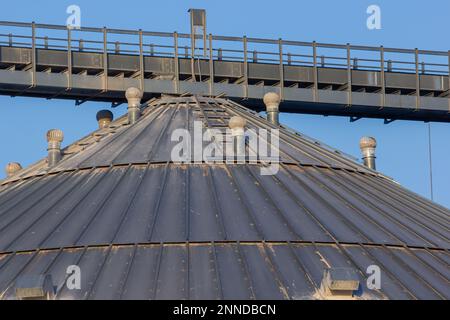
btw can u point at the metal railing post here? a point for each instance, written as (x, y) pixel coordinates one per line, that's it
(349, 76)
(69, 59)
(152, 49)
(416, 58)
(244, 42)
(204, 42)
(10, 39)
(105, 59)
(280, 51)
(176, 63)
(382, 78)
(193, 55)
(448, 80)
(315, 75)
(211, 67)
(141, 61)
(33, 54)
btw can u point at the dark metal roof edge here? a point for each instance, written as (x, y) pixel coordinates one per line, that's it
(119, 165)
(200, 243)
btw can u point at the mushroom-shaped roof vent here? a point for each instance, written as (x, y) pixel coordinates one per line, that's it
(237, 122)
(367, 142)
(104, 115)
(272, 100)
(55, 135)
(12, 167)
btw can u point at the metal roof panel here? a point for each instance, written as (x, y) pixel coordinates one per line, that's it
(141, 226)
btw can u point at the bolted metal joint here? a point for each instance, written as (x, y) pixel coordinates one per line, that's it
(134, 96)
(54, 139)
(104, 118)
(237, 124)
(368, 146)
(272, 102)
(12, 168)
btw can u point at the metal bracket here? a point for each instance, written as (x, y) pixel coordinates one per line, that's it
(354, 119)
(116, 104)
(387, 121)
(79, 102)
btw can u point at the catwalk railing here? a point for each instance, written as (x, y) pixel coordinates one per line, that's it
(243, 50)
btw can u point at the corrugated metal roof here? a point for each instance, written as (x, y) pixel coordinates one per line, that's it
(228, 270)
(149, 140)
(118, 186)
(168, 202)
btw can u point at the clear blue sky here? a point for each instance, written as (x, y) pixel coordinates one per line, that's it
(402, 151)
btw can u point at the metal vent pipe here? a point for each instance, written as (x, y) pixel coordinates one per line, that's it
(368, 146)
(134, 96)
(104, 118)
(237, 124)
(272, 102)
(54, 139)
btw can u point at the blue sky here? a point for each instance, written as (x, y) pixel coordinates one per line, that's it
(403, 145)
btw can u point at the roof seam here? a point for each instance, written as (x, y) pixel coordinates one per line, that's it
(242, 242)
(258, 162)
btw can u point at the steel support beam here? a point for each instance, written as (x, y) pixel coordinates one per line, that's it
(43, 71)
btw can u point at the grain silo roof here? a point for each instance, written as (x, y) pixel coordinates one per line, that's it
(121, 209)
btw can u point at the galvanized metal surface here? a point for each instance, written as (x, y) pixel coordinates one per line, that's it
(150, 139)
(372, 84)
(210, 203)
(214, 230)
(229, 270)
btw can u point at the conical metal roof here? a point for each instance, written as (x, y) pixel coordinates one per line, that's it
(141, 226)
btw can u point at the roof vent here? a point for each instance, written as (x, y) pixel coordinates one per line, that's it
(35, 287)
(367, 146)
(272, 101)
(104, 118)
(54, 139)
(11, 168)
(339, 283)
(237, 124)
(134, 96)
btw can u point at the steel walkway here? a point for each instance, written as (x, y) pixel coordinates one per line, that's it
(98, 64)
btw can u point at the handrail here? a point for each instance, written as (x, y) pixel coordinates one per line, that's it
(225, 38)
(281, 54)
